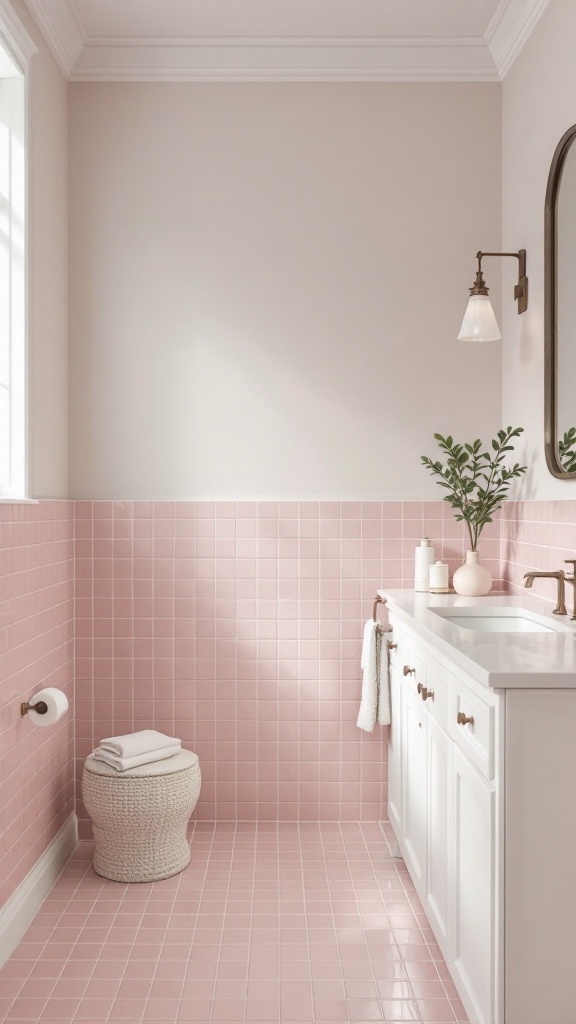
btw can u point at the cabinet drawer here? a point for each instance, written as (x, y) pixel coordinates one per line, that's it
(475, 739)
(429, 683)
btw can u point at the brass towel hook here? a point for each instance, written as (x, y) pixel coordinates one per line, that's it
(40, 708)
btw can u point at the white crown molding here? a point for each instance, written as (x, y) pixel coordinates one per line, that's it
(139, 42)
(59, 25)
(112, 74)
(510, 29)
(290, 59)
(14, 36)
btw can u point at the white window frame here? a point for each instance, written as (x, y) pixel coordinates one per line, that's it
(17, 49)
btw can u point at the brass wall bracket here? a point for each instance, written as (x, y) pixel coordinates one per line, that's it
(40, 708)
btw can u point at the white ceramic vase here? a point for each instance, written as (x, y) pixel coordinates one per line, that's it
(472, 579)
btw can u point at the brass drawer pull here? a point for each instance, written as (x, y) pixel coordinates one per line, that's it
(408, 671)
(391, 646)
(462, 719)
(427, 694)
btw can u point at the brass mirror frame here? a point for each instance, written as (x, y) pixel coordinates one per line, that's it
(551, 307)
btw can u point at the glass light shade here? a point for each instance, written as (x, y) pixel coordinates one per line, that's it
(479, 323)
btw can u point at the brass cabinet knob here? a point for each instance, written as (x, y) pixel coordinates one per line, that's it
(463, 719)
(427, 694)
(408, 671)
(419, 687)
(391, 646)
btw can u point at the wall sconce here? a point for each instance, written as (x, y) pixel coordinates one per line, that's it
(479, 323)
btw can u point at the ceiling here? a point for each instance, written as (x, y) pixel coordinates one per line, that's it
(286, 40)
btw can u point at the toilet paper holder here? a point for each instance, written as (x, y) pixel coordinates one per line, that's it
(40, 708)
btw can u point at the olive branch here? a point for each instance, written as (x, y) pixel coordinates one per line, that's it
(566, 450)
(476, 481)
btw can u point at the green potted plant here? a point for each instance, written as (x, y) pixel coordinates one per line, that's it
(476, 482)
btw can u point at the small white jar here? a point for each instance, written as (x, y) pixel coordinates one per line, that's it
(439, 578)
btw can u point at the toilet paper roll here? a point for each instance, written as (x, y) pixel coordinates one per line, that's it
(57, 706)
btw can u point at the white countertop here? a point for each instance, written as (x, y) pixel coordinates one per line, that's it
(499, 660)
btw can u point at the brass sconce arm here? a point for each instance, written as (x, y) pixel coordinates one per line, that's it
(520, 289)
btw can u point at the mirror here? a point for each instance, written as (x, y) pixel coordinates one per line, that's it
(560, 314)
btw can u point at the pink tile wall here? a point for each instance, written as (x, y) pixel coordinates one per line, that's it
(234, 625)
(237, 626)
(537, 535)
(36, 650)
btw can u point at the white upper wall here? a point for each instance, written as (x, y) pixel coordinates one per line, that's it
(267, 282)
(539, 105)
(47, 132)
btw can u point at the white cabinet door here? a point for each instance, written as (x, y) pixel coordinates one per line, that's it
(472, 846)
(439, 753)
(394, 753)
(414, 789)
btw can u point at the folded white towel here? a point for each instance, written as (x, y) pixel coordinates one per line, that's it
(366, 641)
(135, 743)
(122, 764)
(384, 713)
(369, 701)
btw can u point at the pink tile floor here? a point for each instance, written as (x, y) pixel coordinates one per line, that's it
(291, 922)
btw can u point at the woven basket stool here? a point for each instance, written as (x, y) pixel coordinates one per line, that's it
(140, 816)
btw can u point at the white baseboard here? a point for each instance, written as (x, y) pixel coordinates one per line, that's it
(17, 914)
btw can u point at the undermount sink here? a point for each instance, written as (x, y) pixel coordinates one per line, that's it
(501, 620)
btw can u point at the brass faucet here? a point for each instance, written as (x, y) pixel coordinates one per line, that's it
(562, 579)
(572, 581)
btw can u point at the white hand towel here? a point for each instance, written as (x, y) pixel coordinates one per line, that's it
(366, 640)
(135, 743)
(369, 701)
(384, 713)
(122, 764)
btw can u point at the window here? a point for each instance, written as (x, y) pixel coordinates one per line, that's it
(12, 279)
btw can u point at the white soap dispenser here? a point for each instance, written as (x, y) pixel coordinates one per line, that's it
(424, 558)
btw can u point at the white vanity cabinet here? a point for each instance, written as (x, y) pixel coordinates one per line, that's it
(482, 802)
(442, 806)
